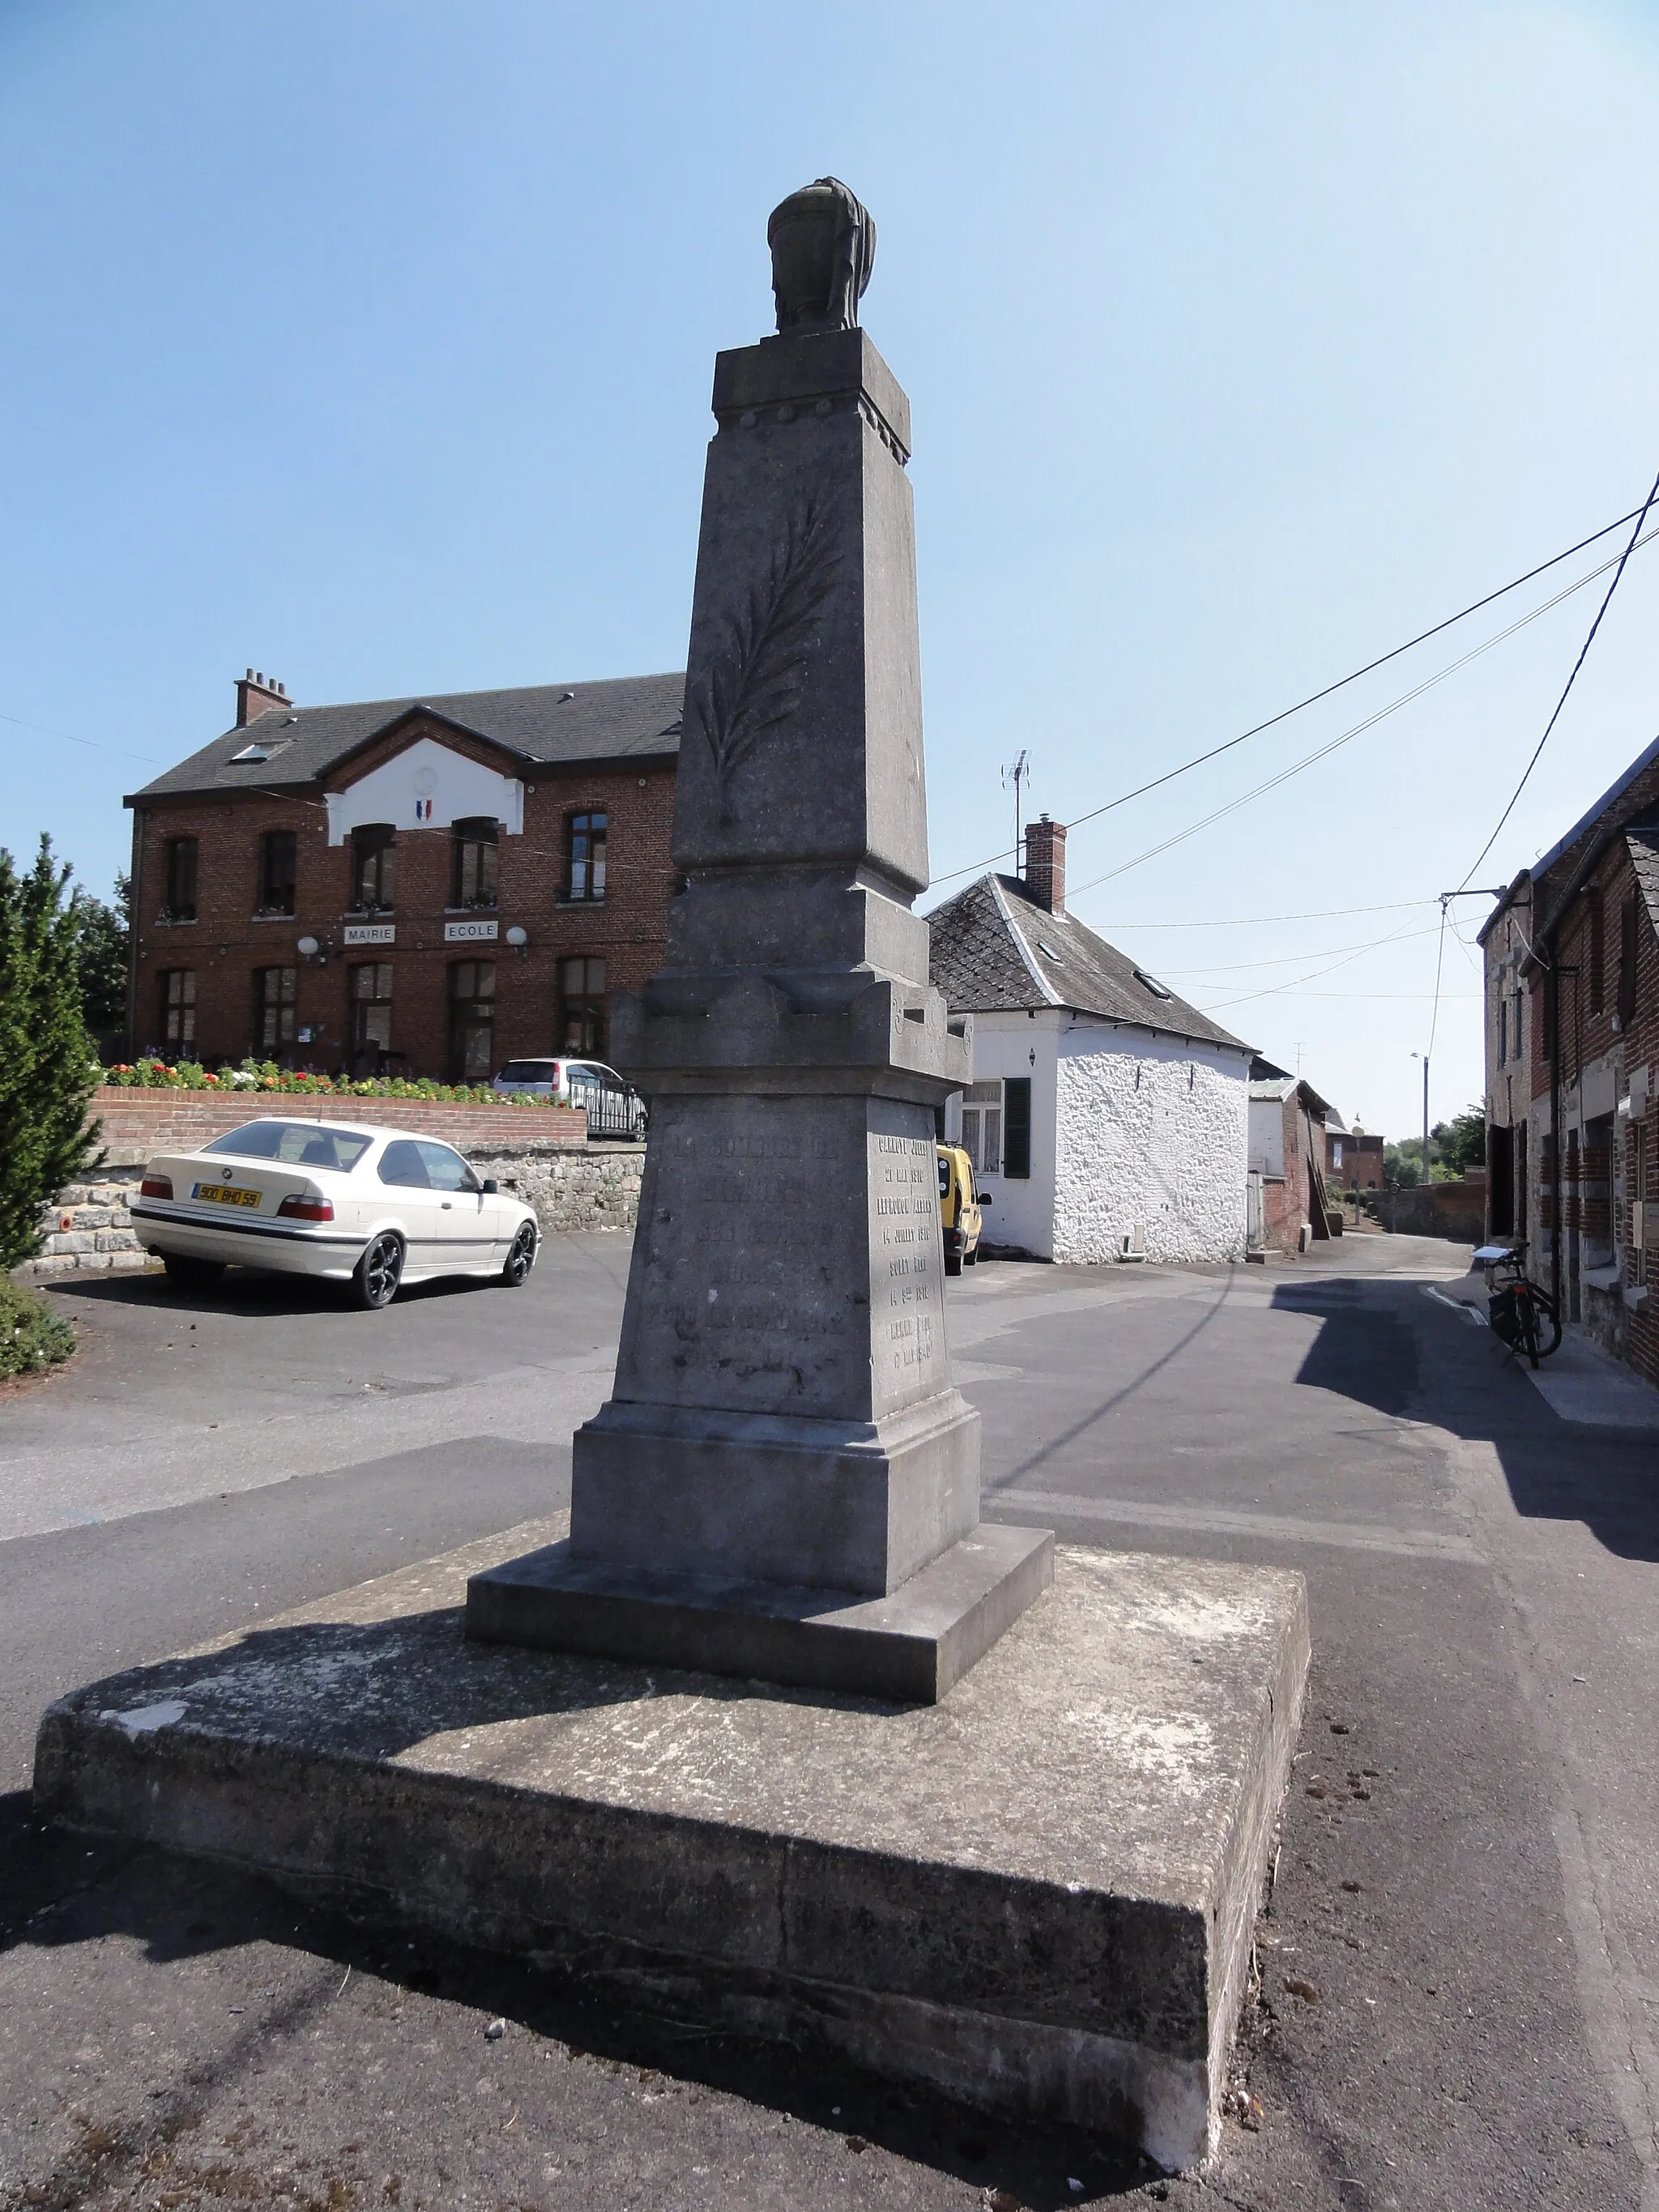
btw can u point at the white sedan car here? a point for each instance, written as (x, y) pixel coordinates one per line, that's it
(373, 1207)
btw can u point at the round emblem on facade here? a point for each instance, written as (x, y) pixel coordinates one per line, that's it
(426, 783)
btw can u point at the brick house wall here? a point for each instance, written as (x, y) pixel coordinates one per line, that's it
(228, 942)
(1608, 977)
(1360, 1164)
(1285, 1135)
(1511, 1029)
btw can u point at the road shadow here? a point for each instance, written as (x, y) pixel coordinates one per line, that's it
(1363, 1350)
(247, 1290)
(1388, 1346)
(82, 1892)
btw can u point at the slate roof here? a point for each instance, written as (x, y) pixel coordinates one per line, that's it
(995, 951)
(624, 718)
(1643, 846)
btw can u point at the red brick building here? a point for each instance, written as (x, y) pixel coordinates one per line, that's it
(1572, 1042)
(408, 886)
(1353, 1158)
(1287, 1160)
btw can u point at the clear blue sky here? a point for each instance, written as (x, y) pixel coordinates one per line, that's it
(371, 345)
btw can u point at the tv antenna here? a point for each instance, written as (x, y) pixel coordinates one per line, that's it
(1017, 773)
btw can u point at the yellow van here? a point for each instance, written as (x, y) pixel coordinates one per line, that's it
(958, 1208)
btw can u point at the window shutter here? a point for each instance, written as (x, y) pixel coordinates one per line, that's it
(1017, 1126)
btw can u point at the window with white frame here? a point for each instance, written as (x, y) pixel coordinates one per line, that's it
(981, 1127)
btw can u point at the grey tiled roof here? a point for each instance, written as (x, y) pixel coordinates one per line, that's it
(1643, 846)
(993, 951)
(624, 718)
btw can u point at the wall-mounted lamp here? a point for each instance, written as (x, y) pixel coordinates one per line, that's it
(307, 948)
(518, 937)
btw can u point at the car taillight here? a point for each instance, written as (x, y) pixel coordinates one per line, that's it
(156, 1187)
(305, 1209)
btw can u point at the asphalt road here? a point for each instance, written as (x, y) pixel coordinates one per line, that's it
(1466, 1879)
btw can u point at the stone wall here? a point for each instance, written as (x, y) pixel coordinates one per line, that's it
(1152, 1144)
(89, 1230)
(1437, 1209)
(596, 1187)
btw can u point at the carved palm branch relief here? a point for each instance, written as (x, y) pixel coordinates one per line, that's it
(752, 680)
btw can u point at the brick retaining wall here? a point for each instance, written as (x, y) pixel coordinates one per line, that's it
(136, 1123)
(1437, 1209)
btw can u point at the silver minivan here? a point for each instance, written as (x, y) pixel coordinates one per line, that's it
(614, 1108)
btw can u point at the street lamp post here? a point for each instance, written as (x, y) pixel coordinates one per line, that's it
(1423, 1057)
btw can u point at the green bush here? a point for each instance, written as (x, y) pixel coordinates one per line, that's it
(32, 1336)
(256, 1076)
(47, 1063)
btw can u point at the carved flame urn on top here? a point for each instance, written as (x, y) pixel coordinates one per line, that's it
(785, 1483)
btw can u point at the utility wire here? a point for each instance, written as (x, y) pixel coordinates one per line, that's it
(1439, 963)
(1635, 540)
(1358, 729)
(1246, 920)
(1314, 697)
(1290, 959)
(91, 743)
(1277, 990)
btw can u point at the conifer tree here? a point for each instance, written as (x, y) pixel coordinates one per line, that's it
(48, 1068)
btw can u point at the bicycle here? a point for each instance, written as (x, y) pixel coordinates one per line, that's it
(1521, 1314)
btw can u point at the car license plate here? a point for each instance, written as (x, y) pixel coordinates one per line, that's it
(222, 1193)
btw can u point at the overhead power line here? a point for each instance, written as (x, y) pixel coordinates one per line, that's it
(1290, 959)
(92, 743)
(1341, 683)
(1370, 721)
(1636, 539)
(1249, 920)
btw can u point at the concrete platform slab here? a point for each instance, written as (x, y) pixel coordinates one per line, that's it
(1037, 1895)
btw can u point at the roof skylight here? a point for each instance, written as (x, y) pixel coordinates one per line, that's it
(1158, 990)
(1048, 952)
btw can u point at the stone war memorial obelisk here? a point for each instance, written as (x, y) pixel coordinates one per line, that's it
(784, 1483)
(772, 1727)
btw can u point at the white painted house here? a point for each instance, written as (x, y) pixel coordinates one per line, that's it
(1107, 1118)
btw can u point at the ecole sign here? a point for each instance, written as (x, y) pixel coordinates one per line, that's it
(471, 933)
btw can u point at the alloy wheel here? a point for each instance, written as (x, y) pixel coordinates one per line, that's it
(380, 1270)
(522, 1257)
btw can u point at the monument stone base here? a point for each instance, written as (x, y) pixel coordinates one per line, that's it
(1038, 1896)
(911, 1647)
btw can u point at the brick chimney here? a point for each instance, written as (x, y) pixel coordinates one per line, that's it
(1045, 865)
(254, 698)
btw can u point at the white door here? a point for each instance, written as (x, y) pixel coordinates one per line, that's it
(468, 1220)
(408, 1188)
